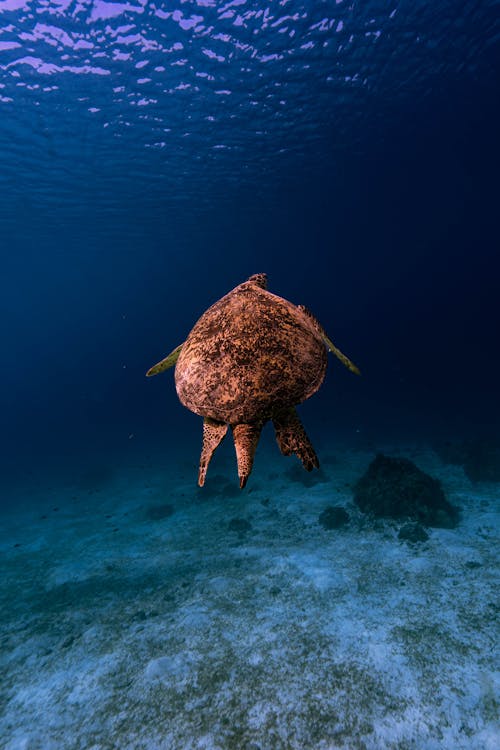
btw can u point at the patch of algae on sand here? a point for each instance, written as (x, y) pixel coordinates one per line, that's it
(429, 644)
(294, 698)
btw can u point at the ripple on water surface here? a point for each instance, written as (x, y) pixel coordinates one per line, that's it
(209, 87)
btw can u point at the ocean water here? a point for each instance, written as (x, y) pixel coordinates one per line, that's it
(154, 155)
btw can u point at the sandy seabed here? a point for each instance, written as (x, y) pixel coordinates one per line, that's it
(135, 618)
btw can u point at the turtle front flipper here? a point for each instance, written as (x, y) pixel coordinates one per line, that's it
(166, 363)
(246, 438)
(213, 434)
(292, 438)
(328, 343)
(345, 360)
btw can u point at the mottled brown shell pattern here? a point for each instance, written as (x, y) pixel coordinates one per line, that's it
(249, 356)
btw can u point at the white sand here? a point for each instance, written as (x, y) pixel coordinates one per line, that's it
(124, 632)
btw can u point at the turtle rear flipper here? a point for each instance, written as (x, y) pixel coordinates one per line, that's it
(292, 438)
(166, 363)
(213, 434)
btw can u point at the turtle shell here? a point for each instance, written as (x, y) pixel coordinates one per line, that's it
(250, 355)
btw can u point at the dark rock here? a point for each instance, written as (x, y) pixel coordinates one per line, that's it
(396, 488)
(239, 525)
(480, 457)
(157, 512)
(413, 532)
(482, 461)
(333, 517)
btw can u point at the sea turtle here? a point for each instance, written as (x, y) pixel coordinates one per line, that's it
(251, 357)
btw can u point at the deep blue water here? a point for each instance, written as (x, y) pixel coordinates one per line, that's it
(154, 155)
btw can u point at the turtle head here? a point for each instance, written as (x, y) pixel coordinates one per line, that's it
(259, 279)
